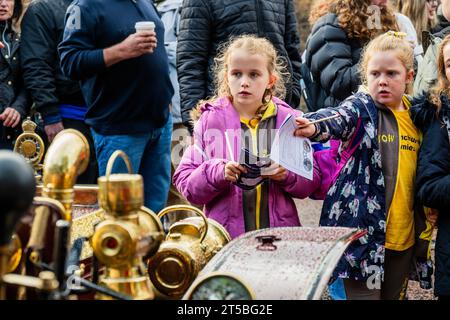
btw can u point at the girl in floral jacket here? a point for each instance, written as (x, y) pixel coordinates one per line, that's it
(375, 188)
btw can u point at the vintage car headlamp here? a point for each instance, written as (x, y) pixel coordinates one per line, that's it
(129, 234)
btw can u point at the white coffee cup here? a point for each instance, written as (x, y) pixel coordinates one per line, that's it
(144, 26)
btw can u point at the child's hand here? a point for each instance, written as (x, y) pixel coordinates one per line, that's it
(275, 172)
(233, 170)
(305, 130)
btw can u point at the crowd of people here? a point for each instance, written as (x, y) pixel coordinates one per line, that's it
(212, 82)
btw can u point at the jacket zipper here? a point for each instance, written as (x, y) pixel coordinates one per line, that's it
(258, 18)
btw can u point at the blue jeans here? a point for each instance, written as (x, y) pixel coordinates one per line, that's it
(149, 153)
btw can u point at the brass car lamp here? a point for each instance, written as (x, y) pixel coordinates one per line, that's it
(189, 245)
(129, 234)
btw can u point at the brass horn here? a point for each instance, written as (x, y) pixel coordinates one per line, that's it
(66, 158)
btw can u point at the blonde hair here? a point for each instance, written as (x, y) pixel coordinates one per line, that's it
(416, 10)
(390, 41)
(443, 84)
(253, 45)
(353, 16)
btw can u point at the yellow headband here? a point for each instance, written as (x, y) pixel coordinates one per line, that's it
(397, 34)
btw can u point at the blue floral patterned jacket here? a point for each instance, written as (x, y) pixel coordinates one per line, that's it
(357, 199)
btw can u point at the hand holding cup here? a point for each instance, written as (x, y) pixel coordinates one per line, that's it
(135, 45)
(139, 43)
(146, 31)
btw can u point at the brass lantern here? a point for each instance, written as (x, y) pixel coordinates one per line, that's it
(129, 234)
(189, 245)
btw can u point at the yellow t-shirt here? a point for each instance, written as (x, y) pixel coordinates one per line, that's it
(400, 220)
(270, 110)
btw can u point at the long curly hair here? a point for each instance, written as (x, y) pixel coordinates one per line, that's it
(359, 18)
(319, 9)
(276, 65)
(417, 11)
(443, 84)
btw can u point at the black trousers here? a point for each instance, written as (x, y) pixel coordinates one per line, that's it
(8, 136)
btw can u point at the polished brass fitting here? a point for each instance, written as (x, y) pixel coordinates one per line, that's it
(31, 146)
(129, 234)
(189, 245)
(67, 157)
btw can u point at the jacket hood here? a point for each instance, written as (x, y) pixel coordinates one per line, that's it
(197, 112)
(423, 112)
(169, 5)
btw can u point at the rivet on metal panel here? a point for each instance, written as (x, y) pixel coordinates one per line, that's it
(267, 243)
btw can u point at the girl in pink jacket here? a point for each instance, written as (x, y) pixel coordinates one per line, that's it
(244, 115)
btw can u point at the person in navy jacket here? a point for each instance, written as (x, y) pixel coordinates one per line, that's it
(125, 81)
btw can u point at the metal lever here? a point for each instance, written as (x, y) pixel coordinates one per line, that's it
(60, 252)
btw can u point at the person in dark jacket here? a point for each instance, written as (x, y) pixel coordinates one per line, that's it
(58, 99)
(431, 113)
(206, 24)
(443, 18)
(426, 76)
(125, 81)
(14, 102)
(334, 47)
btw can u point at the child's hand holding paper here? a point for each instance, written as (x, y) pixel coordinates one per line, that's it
(233, 170)
(274, 172)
